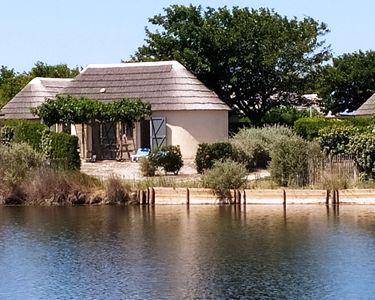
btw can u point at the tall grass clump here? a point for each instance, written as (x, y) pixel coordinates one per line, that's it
(252, 146)
(224, 176)
(116, 191)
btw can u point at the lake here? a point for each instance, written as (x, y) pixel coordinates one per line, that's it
(176, 252)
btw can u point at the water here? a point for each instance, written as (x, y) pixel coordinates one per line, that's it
(171, 252)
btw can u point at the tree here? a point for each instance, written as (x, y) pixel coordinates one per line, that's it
(348, 82)
(253, 59)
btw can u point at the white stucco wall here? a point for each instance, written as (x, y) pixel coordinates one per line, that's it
(190, 128)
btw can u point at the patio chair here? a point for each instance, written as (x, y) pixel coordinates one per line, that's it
(141, 152)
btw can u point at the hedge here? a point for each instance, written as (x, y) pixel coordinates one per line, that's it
(61, 149)
(29, 132)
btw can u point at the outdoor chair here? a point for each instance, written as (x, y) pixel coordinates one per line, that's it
(141, 152)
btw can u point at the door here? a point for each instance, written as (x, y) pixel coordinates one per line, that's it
(158, 132)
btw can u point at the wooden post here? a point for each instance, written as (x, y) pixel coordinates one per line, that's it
(187, 196)
(337, 197)
(244, 197)
(238, 197)
(235, 197)
(143, 193)
(152, 196)
(334, 197)
(284, 197)
(148, 196)
(327, 197)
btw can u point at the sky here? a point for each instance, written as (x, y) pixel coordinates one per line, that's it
(81, 32)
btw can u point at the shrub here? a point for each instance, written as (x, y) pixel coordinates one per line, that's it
(335, 140)
(362, 147)
(252, 146)
(308, 128)
(6, 135)
(284, 116)
(207, 154)
(224, 176)
(290, 161)
(61, 149)
(147, 167)
(169, 158)
(26, 132)
(16, 161)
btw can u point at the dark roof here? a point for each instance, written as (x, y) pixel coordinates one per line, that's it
(32, 95)
(165, 85)
(367, 108)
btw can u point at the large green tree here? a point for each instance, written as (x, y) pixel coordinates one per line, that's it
(253, 59)
(348, 82)
(12, 82)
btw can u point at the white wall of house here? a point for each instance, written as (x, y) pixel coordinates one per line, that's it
(190, 128)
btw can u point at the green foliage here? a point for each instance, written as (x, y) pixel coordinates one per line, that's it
(252, 146)
(349, 82)
(284, 116)
(309, 128)
(147, 167)
(207, 154)
(362, 147)
(25, 131)
(16, 160)
(224, 176)
(68, 109)
(246, 56)
(61, 149)
(169, 158)
(290, 161)
(41, 69)
(335, 139)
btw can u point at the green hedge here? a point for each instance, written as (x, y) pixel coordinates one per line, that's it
(61, 149)
(167, 157)
(207, 154)
(29, 132)
(309, 128)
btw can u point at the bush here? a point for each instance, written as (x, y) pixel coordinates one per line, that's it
(147, 167)
(362, 147)
(207, 154)
(290, 161)
(61, 149)
(26, 132)
(6, 135)
(169, 158)
(224, 176)
(252, 146)
(335, 140)
(16, 161)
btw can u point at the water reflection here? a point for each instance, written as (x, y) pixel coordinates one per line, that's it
(169, 252)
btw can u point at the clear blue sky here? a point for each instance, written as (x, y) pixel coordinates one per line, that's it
(79, 32)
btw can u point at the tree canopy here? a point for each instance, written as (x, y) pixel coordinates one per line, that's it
(253, 59)
(12, 82)
(348, 82)
(72, 110)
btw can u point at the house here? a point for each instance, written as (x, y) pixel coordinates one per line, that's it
(366, 109)
(184, 111)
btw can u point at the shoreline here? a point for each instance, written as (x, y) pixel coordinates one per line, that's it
(199, 196)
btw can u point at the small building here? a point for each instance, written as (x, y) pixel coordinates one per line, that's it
(184, 111)
(367, 109)
(31, 96)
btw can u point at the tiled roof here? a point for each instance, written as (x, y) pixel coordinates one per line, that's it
(367, 108)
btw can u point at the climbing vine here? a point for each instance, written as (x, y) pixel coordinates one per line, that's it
(73, 110)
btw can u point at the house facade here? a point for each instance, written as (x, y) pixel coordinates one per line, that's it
(184, 111)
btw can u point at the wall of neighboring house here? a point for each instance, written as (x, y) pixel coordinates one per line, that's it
(190, 128)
